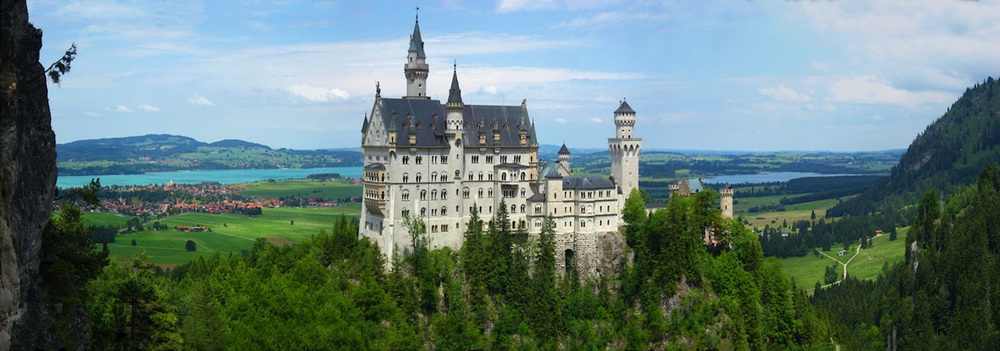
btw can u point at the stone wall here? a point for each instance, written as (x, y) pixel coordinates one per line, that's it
(27, 167)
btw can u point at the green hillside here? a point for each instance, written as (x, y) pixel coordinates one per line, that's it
(163, 152)
(951, 152)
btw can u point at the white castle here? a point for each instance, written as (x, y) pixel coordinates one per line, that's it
(440, 162)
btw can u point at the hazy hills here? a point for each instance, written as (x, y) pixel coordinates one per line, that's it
(164, 152)
(951, 152)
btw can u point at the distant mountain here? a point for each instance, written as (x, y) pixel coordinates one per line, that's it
(164, 152)
(951, 152)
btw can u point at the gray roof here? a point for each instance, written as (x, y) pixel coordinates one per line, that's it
(416, 42)
(537, 197)
(564, 150)
(552, 173)
(587, 183)
(426, 119)
(375, 167)
(624, 108)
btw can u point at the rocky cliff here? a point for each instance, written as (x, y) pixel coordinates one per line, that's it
(27, 165)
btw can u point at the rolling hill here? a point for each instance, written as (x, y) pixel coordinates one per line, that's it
(164, 152)
(950, 153)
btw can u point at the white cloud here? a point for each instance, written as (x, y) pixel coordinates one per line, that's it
(200, 101)
(605, 18)
(920, 44)
(872, 90)
(782, 93)
(148, 108)
(489, 89)
(122, 108)
(318, 94)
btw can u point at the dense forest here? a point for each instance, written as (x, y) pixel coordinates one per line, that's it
(500, 291)
(946, 295)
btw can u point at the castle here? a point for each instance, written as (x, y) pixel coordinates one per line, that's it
(439, 162)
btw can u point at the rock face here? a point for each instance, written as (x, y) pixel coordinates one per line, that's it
(27, 165)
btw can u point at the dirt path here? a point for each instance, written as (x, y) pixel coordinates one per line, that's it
(857, 252)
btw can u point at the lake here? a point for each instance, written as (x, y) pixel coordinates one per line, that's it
(766, 177)
(224, 176)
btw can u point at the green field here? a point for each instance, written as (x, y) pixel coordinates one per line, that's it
(101, 219)
(807, 270)
(230, 232)
(326, 190)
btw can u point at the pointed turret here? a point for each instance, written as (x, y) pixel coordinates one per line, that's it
(454, 107)
(416, 42)
(563, 150)
(416, 69)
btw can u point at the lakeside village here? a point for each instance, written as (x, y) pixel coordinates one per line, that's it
(161, 200)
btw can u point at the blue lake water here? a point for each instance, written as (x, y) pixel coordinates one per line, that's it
(224, 176)
(766, 177)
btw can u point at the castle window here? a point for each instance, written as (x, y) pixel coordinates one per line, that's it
(503, 176)
(503, 158)
(444, 227)
(406, 160)
(434, 160)
(489, 159)
(517, 159)
(480, 175)
(458, 175)
(423, 195)
(434, 176)
(513, 208)
(434, 194)
(406, 195)
(480, 193)
(538, 209)
(522, 208)
(406, 177)
(444, 211)
(523, 175)
(419, 177)
(465, 193)
(470, 176)
(419, 160)
(491, 176)
(423, 211)
(489, 193)
(475, 159)
(434, 212)
(444, 195)
(434, 228)
(444, 159)
(522, 192)
(405, 213)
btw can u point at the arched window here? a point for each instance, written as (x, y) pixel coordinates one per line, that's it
(423, 211)
(406, 195)
(458, 175)
(503, 176)
(523, 175)
(522, 208)
(423, 195)
(480, 193)
(434, 194)
(406, 177)
(406, 160)
(470, 177)
(480, 175)
(419, 176)
(444, 211)
(434, 176)
(489, 193)
(444, 194)
(465, 193)
(513, 208)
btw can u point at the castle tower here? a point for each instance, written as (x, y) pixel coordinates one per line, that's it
(416, 67)
(564, 169)
(455, 131)
(726, 202)
(624, 150)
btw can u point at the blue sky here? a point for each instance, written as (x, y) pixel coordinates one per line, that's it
(714, 75)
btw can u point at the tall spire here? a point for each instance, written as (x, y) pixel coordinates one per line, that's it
(455, 93)
(416, 42)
